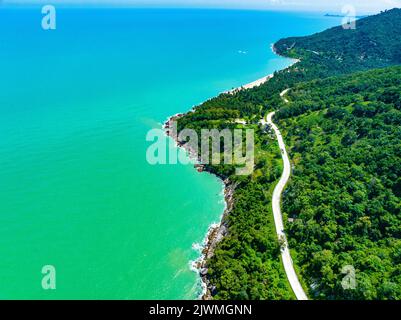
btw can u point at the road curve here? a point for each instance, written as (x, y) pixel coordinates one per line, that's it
(278, 218)
(282, 95)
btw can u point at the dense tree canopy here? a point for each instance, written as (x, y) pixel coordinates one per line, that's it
(345, 191)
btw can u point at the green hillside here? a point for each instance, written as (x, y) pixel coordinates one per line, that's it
(375, 42)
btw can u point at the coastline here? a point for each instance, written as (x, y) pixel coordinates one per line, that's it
(216, 231)
(251, 85)
(263, 80)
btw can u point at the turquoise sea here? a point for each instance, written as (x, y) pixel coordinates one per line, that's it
(76, 103)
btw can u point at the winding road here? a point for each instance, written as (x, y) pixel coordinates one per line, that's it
(278, 218)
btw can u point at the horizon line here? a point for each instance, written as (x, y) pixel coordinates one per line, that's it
(182, 7)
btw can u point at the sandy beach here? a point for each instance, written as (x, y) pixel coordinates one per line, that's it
(260, 81)
(251, 85)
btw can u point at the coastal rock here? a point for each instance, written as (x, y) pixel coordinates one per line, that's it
(203, 272)
(213, 290)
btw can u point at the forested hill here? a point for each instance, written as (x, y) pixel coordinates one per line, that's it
(375, 42)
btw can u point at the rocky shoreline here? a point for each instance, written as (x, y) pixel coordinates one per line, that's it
(216, 232)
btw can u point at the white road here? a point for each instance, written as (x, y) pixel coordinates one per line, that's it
(282, 95)
(278, 218)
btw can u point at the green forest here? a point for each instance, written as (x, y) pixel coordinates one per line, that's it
(345, 193)
(342, 129)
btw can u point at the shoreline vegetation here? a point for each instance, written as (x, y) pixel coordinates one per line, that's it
(354, 226)
(216, 231)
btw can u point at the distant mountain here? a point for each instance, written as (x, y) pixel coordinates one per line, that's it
(342, 16)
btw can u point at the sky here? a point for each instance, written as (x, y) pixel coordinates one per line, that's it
(312, 5)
